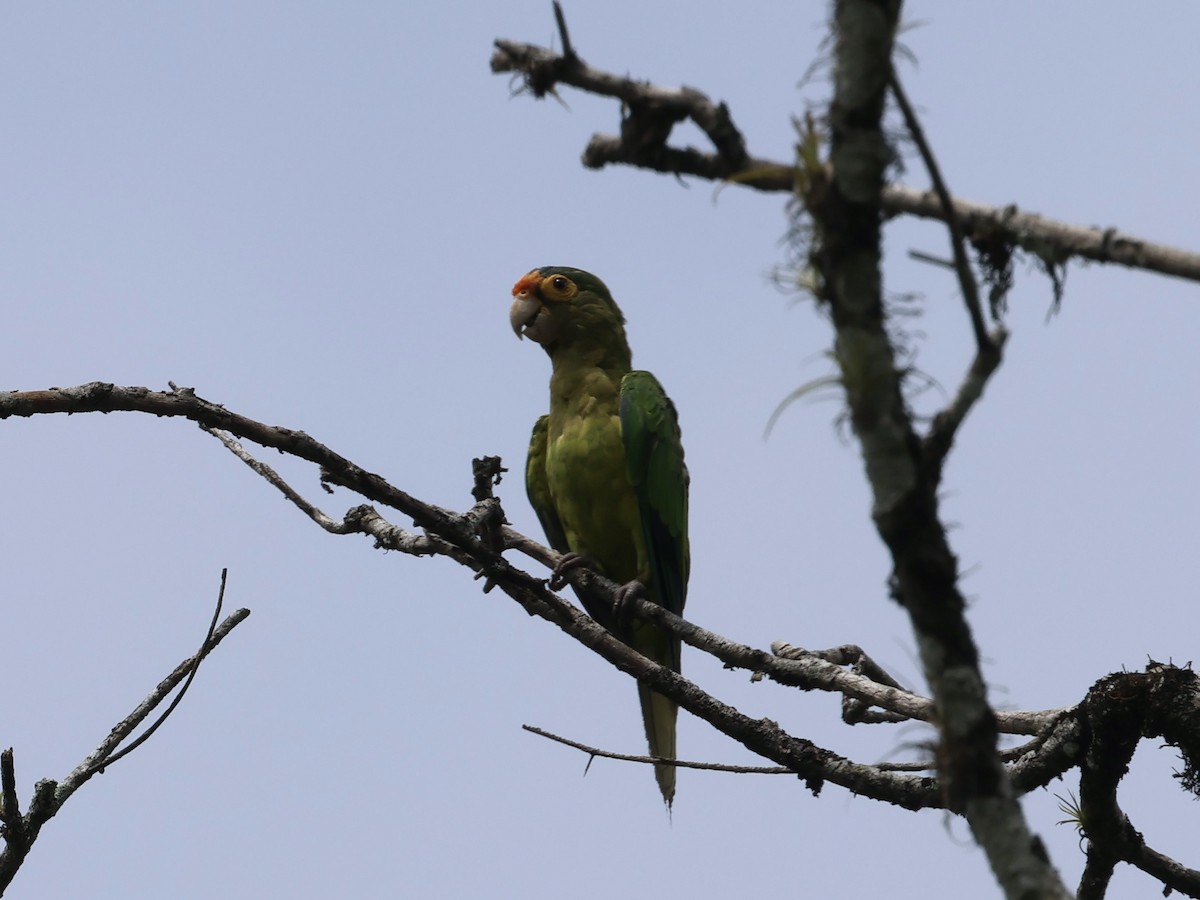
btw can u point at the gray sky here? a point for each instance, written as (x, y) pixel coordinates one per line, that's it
(313, 213)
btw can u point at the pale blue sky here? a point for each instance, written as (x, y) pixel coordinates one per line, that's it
(313, 213)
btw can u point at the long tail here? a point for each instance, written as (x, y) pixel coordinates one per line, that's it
(659, 713)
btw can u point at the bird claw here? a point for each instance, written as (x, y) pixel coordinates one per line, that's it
(623, 602)
(569, 561)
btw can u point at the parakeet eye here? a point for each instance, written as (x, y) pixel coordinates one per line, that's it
(559, 287)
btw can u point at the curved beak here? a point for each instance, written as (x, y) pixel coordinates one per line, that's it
(524, 310)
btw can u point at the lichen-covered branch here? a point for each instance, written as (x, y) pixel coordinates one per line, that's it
(1120, 711)
(643, 143)
(847, 214)
(847, 201)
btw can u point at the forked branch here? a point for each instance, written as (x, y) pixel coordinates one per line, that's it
(643, 142)
(21, 830)
(478, 537)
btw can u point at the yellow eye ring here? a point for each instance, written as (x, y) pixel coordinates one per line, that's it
(558, 287)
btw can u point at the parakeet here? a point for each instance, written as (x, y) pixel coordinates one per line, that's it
(605, 473)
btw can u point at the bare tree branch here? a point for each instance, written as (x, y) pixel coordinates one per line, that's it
(849, 204)
(847, 215)
(989, 348)
(658, 760)
(183, 402)
(568, 51)
(823, 670)
(962, 265)
(20, 831)
(814, 764)
(102, 755)
(462, 533)
(360, 520)
(273, 477)
(476, 538)
(940, 438)
(104, 762)
(643, 144)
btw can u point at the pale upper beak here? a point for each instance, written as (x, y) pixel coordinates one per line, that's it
(527, 317)
(523, 311)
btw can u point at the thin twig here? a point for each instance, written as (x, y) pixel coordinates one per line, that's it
(360, 520)
(962, 265)
(272, 477)
(568, 51)
(989, 348)
(101, 765)
(102, 755)
(942, 431)
(658, 760)
(21, 832)
(921, 256)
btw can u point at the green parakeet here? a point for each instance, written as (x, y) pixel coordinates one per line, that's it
(605, 473)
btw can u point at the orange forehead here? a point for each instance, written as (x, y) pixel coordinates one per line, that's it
(528, 283)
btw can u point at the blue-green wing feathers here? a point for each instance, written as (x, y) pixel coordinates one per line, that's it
(654, 453)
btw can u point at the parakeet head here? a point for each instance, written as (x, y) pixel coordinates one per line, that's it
(563, 308)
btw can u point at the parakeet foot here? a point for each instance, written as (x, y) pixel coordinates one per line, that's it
(569, 561)
(623, 602)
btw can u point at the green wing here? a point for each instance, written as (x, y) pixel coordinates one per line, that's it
(654, 453)
(537, 486)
